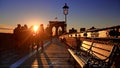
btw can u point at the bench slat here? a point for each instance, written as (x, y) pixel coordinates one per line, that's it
(102, 51)
(101, 48)
(86, 45)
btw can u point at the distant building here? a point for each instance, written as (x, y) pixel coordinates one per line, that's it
(92, 28)
(82, 29)
(72, 30)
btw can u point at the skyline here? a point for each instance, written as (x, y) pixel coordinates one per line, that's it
(82, 13)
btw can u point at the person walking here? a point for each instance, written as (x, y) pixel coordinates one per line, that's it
(41, 37)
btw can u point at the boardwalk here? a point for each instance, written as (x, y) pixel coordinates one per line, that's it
(54, 55)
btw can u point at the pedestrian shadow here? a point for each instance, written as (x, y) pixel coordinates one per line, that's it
(39, 60)
(48, 60)
(29, 63)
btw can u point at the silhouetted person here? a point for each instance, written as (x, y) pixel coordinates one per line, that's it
(17, 32)
(31, 37)
(25, 26)
(22, 36)
(40, 36)
(17, 35)
(25, 38)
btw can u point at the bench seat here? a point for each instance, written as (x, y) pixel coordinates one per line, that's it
(94, 55)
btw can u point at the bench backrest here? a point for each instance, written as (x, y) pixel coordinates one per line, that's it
(86, 45)
(102, 51)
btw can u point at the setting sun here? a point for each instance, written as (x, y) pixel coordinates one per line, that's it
(35, 28)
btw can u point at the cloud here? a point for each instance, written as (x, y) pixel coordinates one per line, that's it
(2, 28)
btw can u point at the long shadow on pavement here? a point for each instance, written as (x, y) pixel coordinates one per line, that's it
(38, 57)
(29, 63)
(48, 60)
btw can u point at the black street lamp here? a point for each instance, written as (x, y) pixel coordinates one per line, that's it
(65, 12)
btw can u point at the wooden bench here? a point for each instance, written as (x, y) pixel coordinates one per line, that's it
(94, 55)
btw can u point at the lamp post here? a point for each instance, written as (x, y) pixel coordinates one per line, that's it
(65, 12)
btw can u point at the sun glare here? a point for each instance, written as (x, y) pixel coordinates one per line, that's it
(35, 28)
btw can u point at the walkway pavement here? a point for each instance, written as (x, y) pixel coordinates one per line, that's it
(54, 55)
